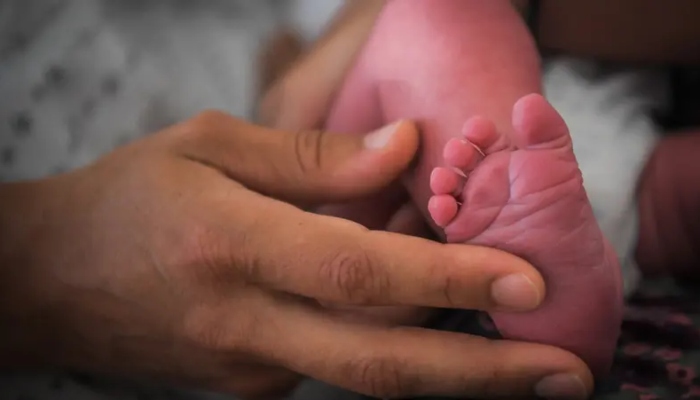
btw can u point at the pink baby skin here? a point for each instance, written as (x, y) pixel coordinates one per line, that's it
(496, 166)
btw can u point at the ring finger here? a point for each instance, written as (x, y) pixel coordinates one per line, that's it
(407, 362)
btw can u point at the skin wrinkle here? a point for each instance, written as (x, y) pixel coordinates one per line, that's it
(351, 275)
(448, 290)
(308, 141)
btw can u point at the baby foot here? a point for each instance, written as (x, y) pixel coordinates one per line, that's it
(525, 196)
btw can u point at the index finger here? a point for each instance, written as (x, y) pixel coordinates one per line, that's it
(336, 260)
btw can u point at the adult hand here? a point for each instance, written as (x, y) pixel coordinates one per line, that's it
(299, 100)
(177, 258)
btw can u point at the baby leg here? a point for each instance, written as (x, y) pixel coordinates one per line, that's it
(357, 110)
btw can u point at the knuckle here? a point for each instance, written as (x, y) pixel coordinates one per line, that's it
(199, 330)
(308, 151)
(251, 268)
(200, 327)
(443, 284)
(205, 124)
(355, 276)
(197, 246)
(207, 254)
(380, 376)
(204, 254)
(210, 118)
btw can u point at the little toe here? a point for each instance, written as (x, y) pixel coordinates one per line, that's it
(462, 155)
(445, 181)
(483, 134)
(538, 125)
(443, 209)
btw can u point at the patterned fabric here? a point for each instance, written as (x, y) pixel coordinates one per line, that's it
(81, 77)
(658, 355)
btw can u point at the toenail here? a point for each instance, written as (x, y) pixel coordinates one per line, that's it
(515, 292)
(379, 139)
(478, 149)
(561, 387)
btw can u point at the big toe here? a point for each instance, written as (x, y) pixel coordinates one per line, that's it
(538, 125)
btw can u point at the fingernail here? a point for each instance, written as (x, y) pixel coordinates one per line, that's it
(379, 139)
(561, 387)
(515, 292)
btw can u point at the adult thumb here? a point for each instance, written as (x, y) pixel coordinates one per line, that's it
(307, 167)
(313, 167)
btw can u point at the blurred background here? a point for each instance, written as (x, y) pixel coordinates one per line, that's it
(79, 77)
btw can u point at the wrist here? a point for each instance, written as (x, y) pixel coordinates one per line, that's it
(24, 293)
